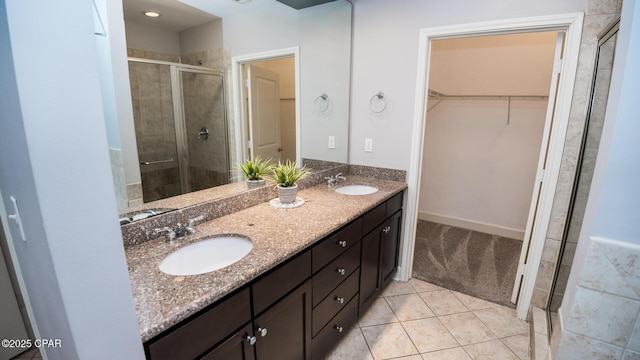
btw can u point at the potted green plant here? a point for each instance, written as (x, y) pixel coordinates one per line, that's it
(285, 176)
(255, 170)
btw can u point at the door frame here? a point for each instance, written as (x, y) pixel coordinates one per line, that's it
(240, 114)
(572, 24)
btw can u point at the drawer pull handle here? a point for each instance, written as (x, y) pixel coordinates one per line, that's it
(339, 299)
(251, 340)
(386, 229)
(342, 243)
(262, 331)
(341, 271)
(338, 328)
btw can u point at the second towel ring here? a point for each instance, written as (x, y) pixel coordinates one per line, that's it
(378, 103)
(322, 103)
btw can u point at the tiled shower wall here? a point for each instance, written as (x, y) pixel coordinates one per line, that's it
(598, 15)
(604, 322)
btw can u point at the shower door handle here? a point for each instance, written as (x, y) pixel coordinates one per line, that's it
(203, 134)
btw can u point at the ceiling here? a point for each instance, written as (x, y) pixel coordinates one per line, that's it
(175, 16)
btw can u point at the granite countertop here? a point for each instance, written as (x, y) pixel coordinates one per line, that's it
(164, 300)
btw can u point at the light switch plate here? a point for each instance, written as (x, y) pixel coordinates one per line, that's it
(332, 142)
(368, 145)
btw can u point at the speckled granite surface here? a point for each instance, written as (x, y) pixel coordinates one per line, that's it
(163, 300)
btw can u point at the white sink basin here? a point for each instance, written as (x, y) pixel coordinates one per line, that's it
(356, 190)
(206, 255)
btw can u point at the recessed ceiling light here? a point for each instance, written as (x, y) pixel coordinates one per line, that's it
(242, 1)
(151, 14)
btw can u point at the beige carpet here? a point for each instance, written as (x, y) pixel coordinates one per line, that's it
(470, 262)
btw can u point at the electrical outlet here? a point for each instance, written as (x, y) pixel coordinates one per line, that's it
(332, 142)
(368, 145)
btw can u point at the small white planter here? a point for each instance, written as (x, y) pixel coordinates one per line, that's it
(254, 184)
(287, 195)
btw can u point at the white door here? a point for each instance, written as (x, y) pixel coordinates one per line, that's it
(264, 113)
(542, 165)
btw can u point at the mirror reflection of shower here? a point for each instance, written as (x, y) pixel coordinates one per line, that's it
(180, 126)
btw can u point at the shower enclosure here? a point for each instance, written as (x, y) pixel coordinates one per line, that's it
(586, 165)
(181, 127)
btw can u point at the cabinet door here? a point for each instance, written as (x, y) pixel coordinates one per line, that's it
(369, 265)
(390, 247)
(284, 330)
(237, 347)
(380, 250)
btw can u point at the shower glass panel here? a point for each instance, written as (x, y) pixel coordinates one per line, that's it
(153, 111)
(180, 124)
(586, 164)
(205, 129)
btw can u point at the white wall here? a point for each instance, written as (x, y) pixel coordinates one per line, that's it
(145, 37)
(202, 37)
(385, 52)
(112, 59)
(514, 64)
(478, 170)
(54, 161)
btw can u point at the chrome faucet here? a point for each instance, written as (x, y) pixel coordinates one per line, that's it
(180, 231)
(332, 180)
(169, 234)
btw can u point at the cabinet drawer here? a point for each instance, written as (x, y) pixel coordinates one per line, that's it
(204, 331)
(335, 301)
(333, 274)
(373, 218)
(394, 204)
(279, 282)
(335, 245)
(328, 337)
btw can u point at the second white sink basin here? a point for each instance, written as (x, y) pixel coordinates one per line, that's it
(206, 255)
(356, 189)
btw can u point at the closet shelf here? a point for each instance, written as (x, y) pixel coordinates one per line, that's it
(439, 97)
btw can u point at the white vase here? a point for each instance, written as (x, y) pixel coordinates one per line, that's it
(287, 195)
(254, 184)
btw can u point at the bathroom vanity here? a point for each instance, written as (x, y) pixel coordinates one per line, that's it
(313, 270)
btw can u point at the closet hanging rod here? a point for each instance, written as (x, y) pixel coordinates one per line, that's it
(438, 95)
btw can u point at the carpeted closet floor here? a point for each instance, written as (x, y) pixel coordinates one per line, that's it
(470, 262)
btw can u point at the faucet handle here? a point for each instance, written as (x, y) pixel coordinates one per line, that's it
(169, 234)
(197, 218)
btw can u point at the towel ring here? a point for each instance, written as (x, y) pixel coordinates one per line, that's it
(322, 103)
(378, 103)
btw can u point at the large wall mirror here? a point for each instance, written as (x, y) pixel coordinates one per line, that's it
(193, 122)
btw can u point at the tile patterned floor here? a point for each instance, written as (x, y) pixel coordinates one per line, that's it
(420, 321)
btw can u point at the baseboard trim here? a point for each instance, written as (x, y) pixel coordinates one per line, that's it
(492, 229)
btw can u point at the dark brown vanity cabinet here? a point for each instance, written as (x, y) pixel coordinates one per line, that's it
(284, 331)
(336, 264)
(380, 249)
(301, 309)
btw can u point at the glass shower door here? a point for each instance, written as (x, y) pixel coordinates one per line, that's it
(204, 130)
(153, 113)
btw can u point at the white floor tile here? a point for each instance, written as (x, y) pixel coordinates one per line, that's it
(429, 335)
(443, 302)
(467, 328)
(409, 307)
(388, 341)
